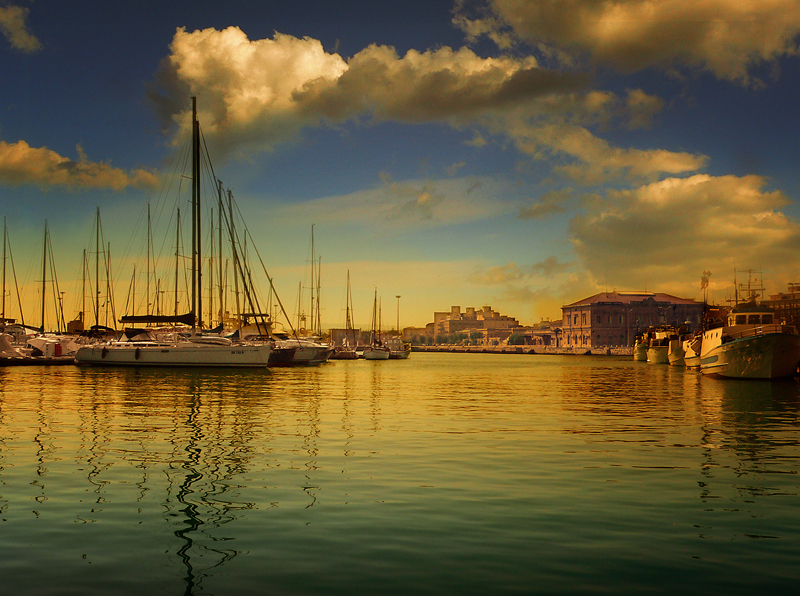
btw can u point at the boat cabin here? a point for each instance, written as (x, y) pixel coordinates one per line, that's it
(750, 313)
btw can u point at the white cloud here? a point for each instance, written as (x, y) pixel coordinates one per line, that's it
(665, 234)
(22, 164)
(726, 37)
(257, 93)
(15, 29)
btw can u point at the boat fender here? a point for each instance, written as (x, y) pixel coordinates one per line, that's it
(104, 352)
(137, 353)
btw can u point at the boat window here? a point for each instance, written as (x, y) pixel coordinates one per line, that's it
(741, 319)
(766, 319)
(754, 319)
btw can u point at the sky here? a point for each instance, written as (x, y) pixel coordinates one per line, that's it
(518, 154)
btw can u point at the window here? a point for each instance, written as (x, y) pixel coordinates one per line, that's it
(741, 319)
(766, 319)
(620, 320)
(599, 319)
(575, 319)
(754, 319)
(583, 318)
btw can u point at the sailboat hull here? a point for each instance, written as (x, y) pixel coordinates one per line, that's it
(181, 354)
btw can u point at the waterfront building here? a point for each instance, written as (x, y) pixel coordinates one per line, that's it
(489, 323)
(614, 318)
(786, 305)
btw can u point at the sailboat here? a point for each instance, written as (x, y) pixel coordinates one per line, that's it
(138, 348)
(347, 351)
(307, 348)
(376, 350)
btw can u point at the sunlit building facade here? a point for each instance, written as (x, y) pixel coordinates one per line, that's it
(614, 318)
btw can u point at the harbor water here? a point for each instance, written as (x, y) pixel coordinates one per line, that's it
(442, 474)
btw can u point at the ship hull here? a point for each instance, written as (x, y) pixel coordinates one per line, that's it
(188, 355)
(768, 356)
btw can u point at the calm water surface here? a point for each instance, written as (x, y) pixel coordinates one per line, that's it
(443, 474)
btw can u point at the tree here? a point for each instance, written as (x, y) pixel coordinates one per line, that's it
(516, 339)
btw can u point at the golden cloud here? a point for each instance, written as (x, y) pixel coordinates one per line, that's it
(15, 29)
(726, 37)
(22, 164)
(663, 234)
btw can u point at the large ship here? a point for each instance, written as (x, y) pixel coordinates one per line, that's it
(750, 345)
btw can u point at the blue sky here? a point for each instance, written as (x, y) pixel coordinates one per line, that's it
(510, 153)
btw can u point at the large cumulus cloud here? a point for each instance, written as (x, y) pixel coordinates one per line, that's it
(663, 235)
(726, 37)
(255, 94)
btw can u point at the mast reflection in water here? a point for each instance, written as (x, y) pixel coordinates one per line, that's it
(441, 474)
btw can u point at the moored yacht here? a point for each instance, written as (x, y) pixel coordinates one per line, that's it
(196, 349)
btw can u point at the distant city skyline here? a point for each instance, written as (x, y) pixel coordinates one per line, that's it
(510, 153)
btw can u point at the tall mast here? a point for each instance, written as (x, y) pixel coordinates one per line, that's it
(221, 286)
(97, 271)
(236, 265)
(195, 202)
(312, 324)
(44, 273)
(83, 292)
(5, 241)
(211, 276)
(147, 304)
(177, 259)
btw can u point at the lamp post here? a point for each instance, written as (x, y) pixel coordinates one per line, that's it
(398, 315)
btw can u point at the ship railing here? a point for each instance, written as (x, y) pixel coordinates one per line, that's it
(762, 330)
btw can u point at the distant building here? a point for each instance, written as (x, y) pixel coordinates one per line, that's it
(484, 319)
(614, 318)
(786, 305)
(489, 323)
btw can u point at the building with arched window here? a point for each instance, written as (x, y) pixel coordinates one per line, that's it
(614, 318)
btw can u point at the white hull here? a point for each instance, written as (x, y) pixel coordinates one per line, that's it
(763, 356)
(640, 352)
(676, 353)
(692, 361)
(397, 349)
(376, 354)
(174, 354)
(691, 353)
(658, 355)
(312, 354)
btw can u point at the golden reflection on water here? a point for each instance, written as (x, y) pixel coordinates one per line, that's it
(249, 474)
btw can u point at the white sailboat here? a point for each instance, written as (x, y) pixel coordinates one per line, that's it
(376, 350)
(179, 349)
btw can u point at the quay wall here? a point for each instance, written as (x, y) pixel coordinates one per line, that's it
(570, 351)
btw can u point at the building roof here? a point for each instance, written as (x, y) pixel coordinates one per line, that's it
(629, 298)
